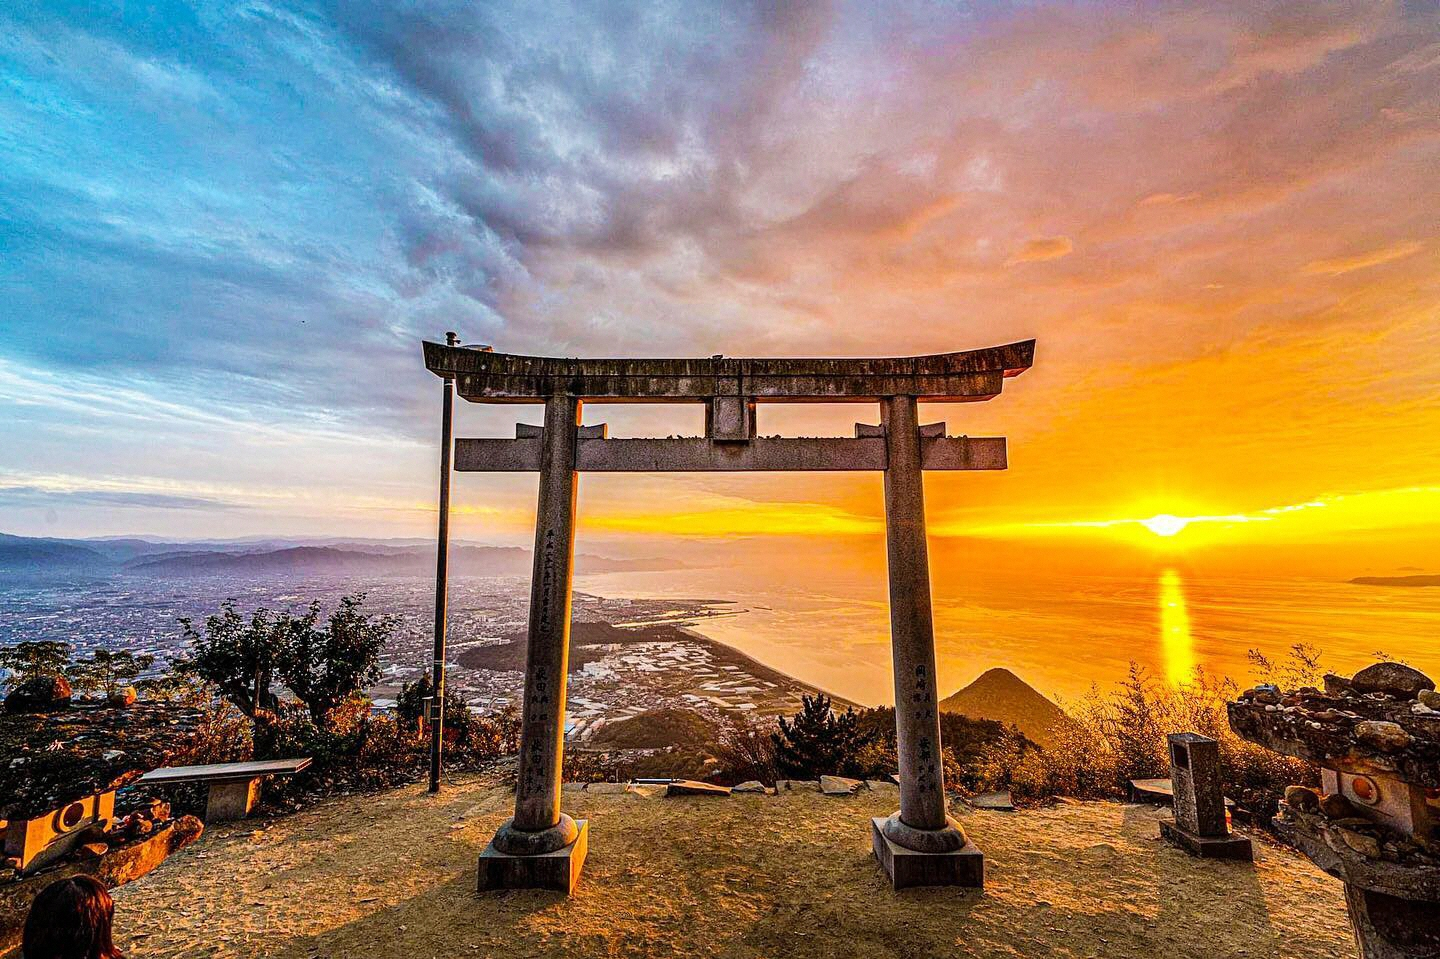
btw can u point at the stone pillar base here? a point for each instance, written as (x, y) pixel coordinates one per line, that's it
(1207, 847)
(906, 867)
(558, 870)
(1389, 928)
(232, 800)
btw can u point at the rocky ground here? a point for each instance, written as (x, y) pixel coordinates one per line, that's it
(744, 876)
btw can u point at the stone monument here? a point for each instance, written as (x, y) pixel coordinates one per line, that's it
(541, 846)
(1201, 826)
(1375, 824)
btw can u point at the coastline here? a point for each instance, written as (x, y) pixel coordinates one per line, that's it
(763, 670)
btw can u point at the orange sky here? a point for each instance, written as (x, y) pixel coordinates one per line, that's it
(1220, 222)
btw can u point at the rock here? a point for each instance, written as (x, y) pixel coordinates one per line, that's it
(1361, 843)
(1336, 806)
(1302, 799)
(689, 787)
(1336, 685)
(1270, 697)
(123, 697)
(796, 785)
(1397, 679)
(1388, 737)
(881, 785)
(750, 786)
(40, 694)
(1430, 698)
(572, 787)
(94, 850)
(997, 800)
(838, 785)
(606, 789)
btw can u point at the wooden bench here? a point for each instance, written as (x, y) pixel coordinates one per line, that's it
(234, 787)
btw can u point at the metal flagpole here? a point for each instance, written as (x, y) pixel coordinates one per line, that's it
(442, 561)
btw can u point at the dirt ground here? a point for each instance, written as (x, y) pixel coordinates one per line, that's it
(748, 876)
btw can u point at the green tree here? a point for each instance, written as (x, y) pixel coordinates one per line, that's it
(238, 656)
(325, 667)
(410, 705)
(107, 671)
(34, 658)
(819, 741)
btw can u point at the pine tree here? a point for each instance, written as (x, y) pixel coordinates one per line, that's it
(820, 742)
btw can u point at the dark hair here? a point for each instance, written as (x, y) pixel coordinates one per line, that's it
(70, 919)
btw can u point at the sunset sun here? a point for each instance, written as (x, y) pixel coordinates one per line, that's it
(1165, 524)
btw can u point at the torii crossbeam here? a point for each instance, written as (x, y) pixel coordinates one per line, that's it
(540, 847)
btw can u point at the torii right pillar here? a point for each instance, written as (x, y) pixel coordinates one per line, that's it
(920, 845)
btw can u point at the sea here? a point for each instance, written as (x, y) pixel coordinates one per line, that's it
(827, 624)
(1064, 634)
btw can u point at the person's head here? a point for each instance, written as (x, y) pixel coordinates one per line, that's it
(70, 919)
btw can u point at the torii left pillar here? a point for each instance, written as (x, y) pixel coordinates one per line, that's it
(540, 847)
(919, 845)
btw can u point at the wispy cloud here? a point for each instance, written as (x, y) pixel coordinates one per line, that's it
(1041, 249)
(35, 496)
(1337, 266)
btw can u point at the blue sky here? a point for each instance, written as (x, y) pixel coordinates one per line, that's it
(224, 229)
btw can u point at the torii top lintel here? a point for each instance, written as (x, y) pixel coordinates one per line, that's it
(482, 376)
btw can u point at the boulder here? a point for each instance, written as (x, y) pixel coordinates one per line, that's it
(122, 697)
(1396, 679)
(839, 785)
(750, 786)
(1387, 737)
(1302, 799)
(40, 694)
(1429, 698)
(796, 785)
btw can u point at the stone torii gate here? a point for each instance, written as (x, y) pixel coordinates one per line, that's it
(541, 847)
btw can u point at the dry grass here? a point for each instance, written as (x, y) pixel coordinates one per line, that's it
(748, 876)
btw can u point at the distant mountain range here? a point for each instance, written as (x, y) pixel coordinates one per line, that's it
(1001, 695)
(39, 556)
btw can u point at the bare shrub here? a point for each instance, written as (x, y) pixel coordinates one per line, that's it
(1122, 736)
(746, 750)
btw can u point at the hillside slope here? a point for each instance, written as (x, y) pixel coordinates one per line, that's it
(1001, 695)
(393, 875)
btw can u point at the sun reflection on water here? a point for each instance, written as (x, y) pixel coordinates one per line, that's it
(1176, 646)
